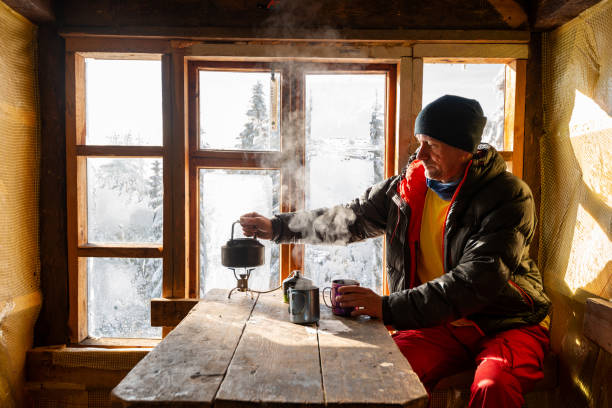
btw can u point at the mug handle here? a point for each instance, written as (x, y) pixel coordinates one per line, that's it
(325, 299)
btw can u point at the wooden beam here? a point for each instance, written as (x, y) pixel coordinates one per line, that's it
(120, 250)
(478, 51)
(77, 279)
(119, 151)
(511, 12)
(117, 45)
(170, 312)
(177, 167)
(323, 52)
(417, 101)
(37, 11)
(90, 368)
(51, 325)
(598, 322)
(549, 14)
(342, 36)
(403, 143)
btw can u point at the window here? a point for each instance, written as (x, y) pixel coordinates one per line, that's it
(116, 189)
(273, 137)
(493, 84)
(165, 149)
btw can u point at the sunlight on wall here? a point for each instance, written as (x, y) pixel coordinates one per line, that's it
(590, 135)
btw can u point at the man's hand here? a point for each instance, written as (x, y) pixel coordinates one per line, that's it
(365, 301)
(254, 224)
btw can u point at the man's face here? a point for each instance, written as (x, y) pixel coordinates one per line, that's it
(442, 162)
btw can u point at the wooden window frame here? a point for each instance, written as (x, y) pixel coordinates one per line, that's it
(179, 273)
(77, 153)
(514, 102)
(292, 143)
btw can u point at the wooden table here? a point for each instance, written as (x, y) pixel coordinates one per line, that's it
(244, 352)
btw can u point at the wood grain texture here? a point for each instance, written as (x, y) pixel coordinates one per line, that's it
(170, 312)
(51, 325)
(488, 51)
(94, 368)
(121, 250)
(186, 368)
(404, 114)
(276, 362)
(511, 12)
(548, 14)
(598, 322)
(119, 151)
(362, 366)
(401, 36)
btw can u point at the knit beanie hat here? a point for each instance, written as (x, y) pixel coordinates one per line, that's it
(454, 120)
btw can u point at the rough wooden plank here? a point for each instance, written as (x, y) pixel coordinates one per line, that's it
(117, 45)
(170, 312)
(242, 34)
(511, 12)
(37, 11)
(379, 374)
(122, 151)
(51, 325)
(598, 322)
(548, 14)
(120, 251)
(520, 81)
(91, 368)
(338, 52)
(177, 167)
(187, 367)
(404, 116)
(533, 130)
(118, 343)
(417, 101)
(471, 51)
(276, 362)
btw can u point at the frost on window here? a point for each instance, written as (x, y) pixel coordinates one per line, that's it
(345, 146)
(483, 82)
(224, 196)
(123, 102)
(124, 200)
(119, 292)
(239, 110)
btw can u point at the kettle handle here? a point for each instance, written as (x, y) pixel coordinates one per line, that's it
(232, 236)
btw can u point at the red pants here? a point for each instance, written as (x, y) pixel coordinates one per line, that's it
(507, 364)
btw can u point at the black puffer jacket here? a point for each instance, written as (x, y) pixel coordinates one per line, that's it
(490, 278)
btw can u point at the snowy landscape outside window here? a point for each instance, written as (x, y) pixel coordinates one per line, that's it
(283, 137)
(345, 150)
(483, 82)
(124, 195)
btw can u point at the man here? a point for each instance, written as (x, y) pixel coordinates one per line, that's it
(464, 292)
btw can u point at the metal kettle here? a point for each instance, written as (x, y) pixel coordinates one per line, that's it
(304, 305)
(242, 252)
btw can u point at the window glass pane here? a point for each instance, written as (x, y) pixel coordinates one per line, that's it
(239, 110)
(124, 200)
(345, 145)
(224, 196)
(483, 82)
(119, 292)
(123, 102)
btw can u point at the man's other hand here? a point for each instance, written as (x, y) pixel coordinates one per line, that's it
(254, 224)
(365, 301)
